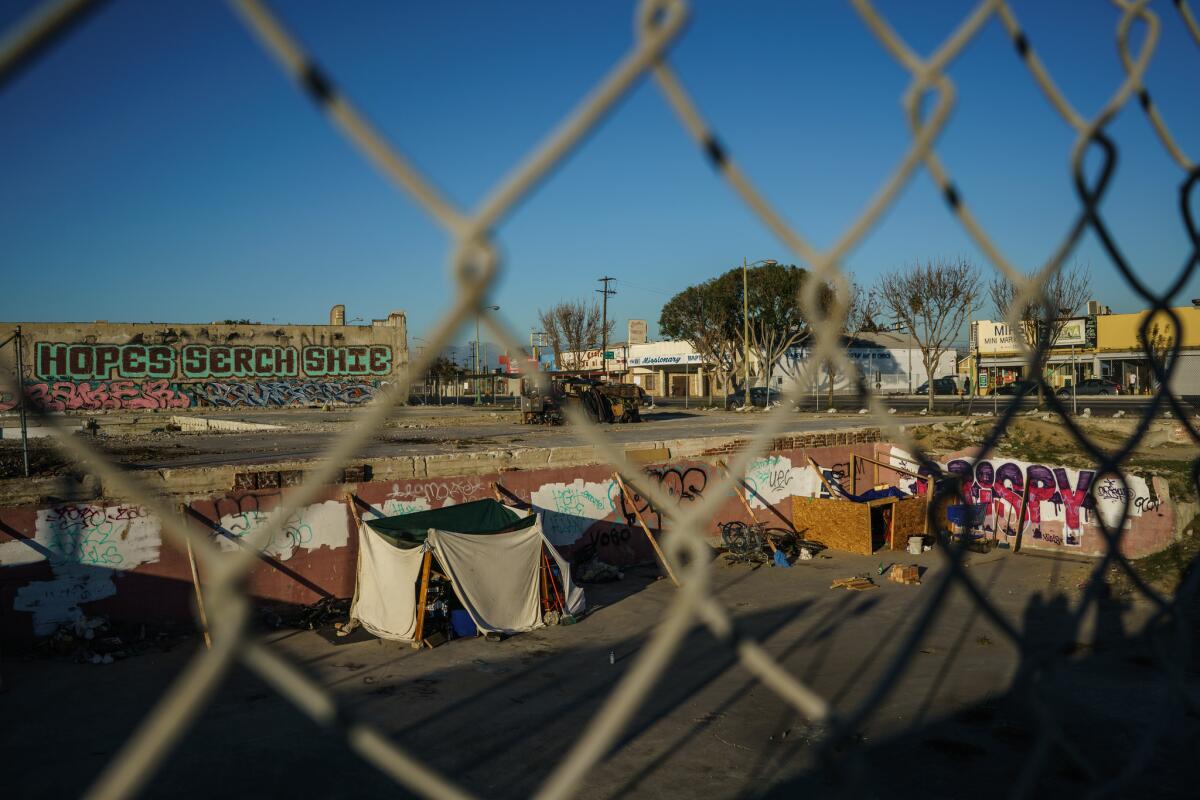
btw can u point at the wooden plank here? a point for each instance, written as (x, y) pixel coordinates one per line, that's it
(653, 542)
(821, 475)
(742, 497)
(426, 563)
(196, 587)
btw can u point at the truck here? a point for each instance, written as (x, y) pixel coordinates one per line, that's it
(602, 402)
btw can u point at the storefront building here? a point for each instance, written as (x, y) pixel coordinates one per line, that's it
(1099, 345)
(998, 360)
(1121, 354)
(672, 369)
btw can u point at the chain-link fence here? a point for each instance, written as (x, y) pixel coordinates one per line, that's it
(475, 264)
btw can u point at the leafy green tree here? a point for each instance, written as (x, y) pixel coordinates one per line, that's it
(709, 316)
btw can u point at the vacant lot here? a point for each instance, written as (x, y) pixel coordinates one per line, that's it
(497, 717)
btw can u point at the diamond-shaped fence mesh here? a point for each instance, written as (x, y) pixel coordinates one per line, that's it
(475, 265)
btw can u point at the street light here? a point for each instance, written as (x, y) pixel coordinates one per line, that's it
(766, 262)
(478, 401)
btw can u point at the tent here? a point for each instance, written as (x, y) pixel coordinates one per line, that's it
(496, 559)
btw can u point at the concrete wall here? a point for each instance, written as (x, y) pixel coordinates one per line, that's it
(1062, 512)
(101, 365)
(60, 560)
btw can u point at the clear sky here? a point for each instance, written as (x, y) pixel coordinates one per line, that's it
(158, 166)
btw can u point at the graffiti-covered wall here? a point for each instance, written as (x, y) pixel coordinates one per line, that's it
(60, 562)
(1053, 506)
(101, 365)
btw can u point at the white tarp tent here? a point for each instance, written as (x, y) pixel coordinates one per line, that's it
(495, 575)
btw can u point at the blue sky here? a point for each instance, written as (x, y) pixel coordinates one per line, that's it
(158, 166)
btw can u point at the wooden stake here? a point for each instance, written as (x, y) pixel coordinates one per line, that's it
(653, 542)
(196, 586)
(345, 628)
(740, 496)
(1021, 516)
(821, 475)
(419, 636)
(199, 597)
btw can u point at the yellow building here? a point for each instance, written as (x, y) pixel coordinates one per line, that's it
(1121, 349)
(1102, 345)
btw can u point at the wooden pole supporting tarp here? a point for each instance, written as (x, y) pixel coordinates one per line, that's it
(653, 542)
(745, 502)
(196, 587)
(419, 635)
(824, 480)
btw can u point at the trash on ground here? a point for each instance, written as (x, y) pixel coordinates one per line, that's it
(856, 583)
(909, 574)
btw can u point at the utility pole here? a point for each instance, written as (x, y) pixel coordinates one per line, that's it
(605, 292)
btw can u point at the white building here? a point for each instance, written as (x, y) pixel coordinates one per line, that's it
(670, 369)
(890, 362)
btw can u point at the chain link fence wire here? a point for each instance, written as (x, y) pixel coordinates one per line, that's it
(474, 265)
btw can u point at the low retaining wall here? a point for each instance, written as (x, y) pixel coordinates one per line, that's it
(98, 556)
(1056, 508)
(60, 560)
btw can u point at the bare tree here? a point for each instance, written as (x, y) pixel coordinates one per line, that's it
(572, 327)
(1042, 319)
(931, 302)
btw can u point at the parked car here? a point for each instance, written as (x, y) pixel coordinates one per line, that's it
(1092, 386)
(1018, 387)
(940, 386)
(760, 397)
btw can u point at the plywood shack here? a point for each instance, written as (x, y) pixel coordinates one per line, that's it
(861, 528)
(908, 520)
(837, 524)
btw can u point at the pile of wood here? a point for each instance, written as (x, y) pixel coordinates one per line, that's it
(858, 583)
(909, 575)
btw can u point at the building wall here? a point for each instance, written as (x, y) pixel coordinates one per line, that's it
(101, 365)
(896, 369)
(1119, 332)
(1061, 511)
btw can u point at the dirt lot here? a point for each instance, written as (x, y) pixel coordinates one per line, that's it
(497, 717)
(148, 440)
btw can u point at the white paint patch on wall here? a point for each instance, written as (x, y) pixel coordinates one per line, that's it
(320, 525)
(116, 537)
(86, 547)
(774, 479)
(569, 509)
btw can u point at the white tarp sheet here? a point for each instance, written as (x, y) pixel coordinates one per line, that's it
(385, 598)
(495, 576)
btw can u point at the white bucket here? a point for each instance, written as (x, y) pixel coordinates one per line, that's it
(916, 544)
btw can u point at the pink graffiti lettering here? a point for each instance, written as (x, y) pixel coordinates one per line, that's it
(97, 395)
(1074, 499)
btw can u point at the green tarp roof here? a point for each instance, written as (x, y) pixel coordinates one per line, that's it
(479, 517)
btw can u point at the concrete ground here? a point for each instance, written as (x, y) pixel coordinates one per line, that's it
(497, 717)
